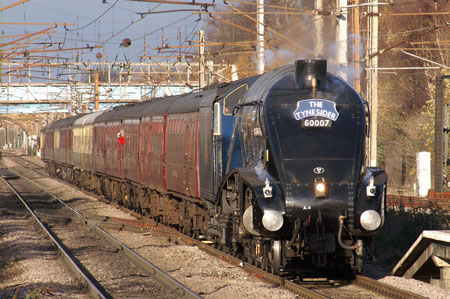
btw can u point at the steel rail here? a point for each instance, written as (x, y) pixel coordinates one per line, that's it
(277, 280)
(384, 289)
(73, 267)
(171, 283)
(257, 272)
(360, 281)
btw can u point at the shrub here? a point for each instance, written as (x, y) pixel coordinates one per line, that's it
(402, 227)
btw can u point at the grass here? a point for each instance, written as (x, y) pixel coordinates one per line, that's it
(35, 294)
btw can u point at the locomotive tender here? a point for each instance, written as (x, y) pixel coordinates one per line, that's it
(270, 168)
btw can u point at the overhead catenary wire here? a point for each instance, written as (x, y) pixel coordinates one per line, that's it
(123, 29)
(67, 38)
(131, 57)
(165, 26)
(27, 36)
(267, 5)
(36, 23)
(96, 19)
(204, 4)
(425, 59)
(87, 37)
(396, 45)
(145, 35)
(283, 36)
(106, 41)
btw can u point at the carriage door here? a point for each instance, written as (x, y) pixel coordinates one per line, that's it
(217, 141)
(190, 154)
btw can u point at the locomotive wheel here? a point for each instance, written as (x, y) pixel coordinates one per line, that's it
(272, 256)
(276, 257)
(265, 262)
(246, 254)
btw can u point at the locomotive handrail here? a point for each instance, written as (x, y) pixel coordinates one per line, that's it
(339, 236)
(260, 119)
(366, 103)
(239, 106)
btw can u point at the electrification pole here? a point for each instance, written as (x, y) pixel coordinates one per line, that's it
(260, 36)
(97, 96)
(318, 28)
(201, 63)
(356, 58)
(1, 51)
(373, 79)
(440, 137)
(342, 39)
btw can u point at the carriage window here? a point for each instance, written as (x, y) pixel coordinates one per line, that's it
(233, 98)
(217, 120)
(56, 139)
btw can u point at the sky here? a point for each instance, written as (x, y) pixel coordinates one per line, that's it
(103, 23)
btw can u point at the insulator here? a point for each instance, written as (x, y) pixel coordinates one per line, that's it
(126, 42)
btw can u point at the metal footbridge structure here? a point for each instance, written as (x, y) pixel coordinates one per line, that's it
(30, 101)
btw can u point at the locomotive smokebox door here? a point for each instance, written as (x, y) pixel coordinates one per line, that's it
(306, 70)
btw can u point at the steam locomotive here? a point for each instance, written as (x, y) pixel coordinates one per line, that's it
(269, 168)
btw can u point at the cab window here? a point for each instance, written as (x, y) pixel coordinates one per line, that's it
(233, 98)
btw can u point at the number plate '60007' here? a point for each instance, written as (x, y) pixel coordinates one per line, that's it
(316, 123)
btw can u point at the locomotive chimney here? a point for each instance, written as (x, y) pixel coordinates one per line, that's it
(306, 70)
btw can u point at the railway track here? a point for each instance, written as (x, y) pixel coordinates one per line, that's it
(79, 273)
(144, 224)
(367, 283)
(360, 281)
(384, 289)
(115, 259)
